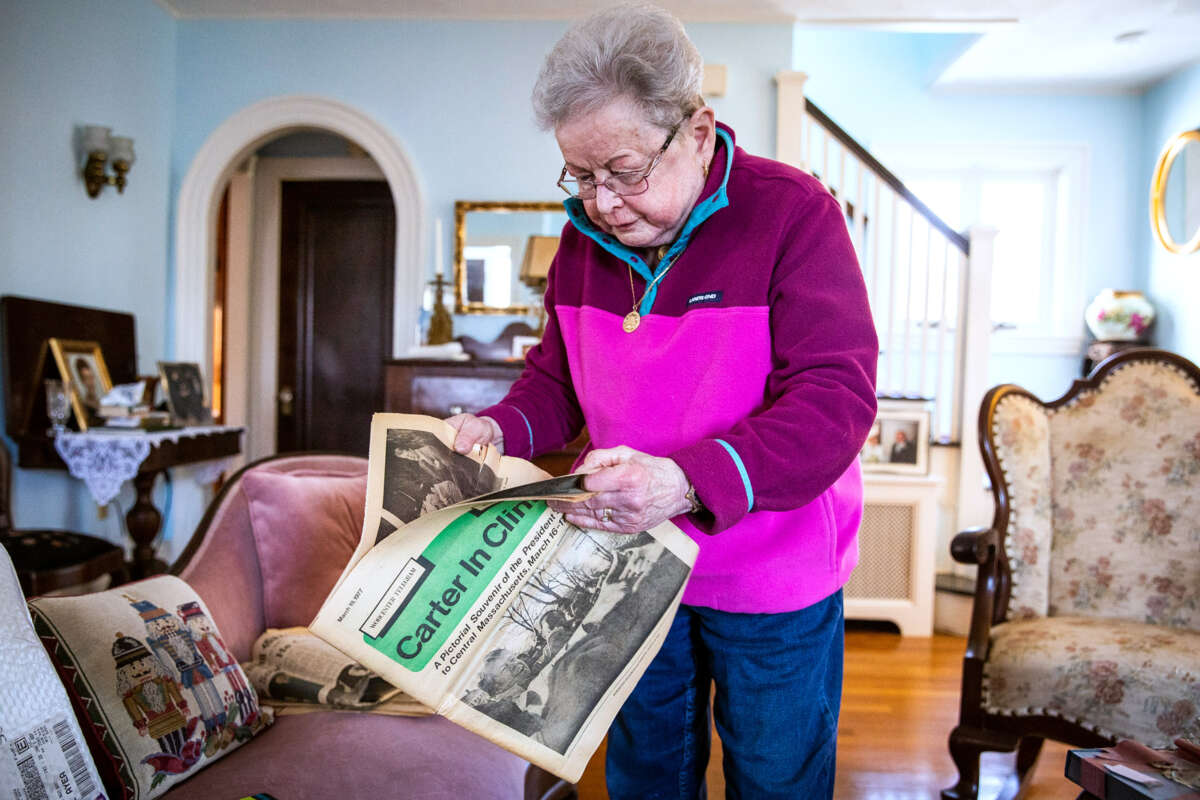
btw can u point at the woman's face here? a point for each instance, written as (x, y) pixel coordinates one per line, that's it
(617, 138)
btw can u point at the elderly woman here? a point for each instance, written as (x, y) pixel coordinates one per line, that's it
(708, 323)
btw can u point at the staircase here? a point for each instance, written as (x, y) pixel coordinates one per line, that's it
(929, 286)
(929, 290)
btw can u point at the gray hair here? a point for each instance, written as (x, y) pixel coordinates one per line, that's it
(639, 52)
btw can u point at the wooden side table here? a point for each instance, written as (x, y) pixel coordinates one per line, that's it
(1100, 349)
(143, 520)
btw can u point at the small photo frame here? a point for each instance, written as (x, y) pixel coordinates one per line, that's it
(899, 439)
(521, 345)
(81, 366)
(184, 388)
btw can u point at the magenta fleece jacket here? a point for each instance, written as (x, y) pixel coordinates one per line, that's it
(753, 368)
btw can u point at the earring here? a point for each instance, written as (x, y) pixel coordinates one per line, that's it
(705, 168)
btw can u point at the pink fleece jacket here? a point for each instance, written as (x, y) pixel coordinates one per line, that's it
(753, 368)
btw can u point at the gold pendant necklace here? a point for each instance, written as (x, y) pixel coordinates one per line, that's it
(633, 319)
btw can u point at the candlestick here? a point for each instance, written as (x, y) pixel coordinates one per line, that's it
(437, 244)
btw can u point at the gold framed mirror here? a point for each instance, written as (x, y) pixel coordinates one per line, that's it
(1175, 194)
(490, 240)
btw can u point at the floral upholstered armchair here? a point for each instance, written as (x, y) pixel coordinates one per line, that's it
(1086, 623)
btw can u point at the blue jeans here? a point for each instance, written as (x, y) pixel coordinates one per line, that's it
(778, 690)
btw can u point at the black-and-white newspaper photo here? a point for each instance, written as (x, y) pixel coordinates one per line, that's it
(421, 474)
(571, 630)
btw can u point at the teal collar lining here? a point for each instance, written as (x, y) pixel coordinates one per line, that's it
(703, 210)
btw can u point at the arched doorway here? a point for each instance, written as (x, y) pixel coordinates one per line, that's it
(199, 202)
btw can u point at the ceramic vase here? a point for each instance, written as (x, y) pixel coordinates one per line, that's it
(1120, 316)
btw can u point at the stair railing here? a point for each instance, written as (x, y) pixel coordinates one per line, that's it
(928, 285)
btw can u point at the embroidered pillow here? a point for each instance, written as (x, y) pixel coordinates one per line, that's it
(306, 524)
(157, 693)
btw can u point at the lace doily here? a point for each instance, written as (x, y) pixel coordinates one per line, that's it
(104, 461)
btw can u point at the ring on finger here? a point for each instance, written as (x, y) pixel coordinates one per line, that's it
(606, 515)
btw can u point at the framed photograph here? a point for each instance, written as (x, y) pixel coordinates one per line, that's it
(899, 440)
(81, 366)
(184, 389)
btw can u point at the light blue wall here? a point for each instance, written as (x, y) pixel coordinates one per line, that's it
(454, 94)
(1170, 107)
(64, 64)
(877, 85)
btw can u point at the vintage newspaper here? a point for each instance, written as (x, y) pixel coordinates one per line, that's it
(297, 672)
(498, 613)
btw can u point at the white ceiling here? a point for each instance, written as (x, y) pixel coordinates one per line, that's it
(1023, 44)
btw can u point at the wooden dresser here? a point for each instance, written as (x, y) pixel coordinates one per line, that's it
(444, 388)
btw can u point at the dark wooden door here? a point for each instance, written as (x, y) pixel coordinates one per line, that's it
(337, 251)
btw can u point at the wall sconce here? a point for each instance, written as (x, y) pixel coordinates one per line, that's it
(100, 147)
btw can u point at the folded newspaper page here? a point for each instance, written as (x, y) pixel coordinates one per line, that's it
(415, 470)
(296, 672)
(498, 613)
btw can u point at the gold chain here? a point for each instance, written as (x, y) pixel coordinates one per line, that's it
(634, 318)
(633, 294)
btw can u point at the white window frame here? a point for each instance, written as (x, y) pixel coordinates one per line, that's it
(1067, 166)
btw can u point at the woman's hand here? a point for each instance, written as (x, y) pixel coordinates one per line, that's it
(473, 430)
(634, 492)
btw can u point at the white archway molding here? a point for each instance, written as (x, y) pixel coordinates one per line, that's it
(215, 162)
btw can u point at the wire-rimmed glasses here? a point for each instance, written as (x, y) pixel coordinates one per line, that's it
(624, 184)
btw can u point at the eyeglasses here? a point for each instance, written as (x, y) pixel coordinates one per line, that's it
(624, 184)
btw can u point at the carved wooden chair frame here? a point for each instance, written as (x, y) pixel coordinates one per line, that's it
(977, 730)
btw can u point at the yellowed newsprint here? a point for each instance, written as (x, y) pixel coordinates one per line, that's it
(296, 672)
(496, 612)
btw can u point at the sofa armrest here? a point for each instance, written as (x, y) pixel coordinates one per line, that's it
(221, 564)
(541, 785)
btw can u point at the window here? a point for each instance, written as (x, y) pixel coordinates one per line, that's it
(1033, 197)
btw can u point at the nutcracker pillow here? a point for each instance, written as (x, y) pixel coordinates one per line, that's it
(156, 691)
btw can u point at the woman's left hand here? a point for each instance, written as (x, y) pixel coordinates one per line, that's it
(634, 491)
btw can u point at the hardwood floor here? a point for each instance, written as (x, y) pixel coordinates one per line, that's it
(899, 702)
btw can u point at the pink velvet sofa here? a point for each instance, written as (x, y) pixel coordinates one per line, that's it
(265, 555)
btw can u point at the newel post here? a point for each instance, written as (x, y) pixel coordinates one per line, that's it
(790, 108)
(974, 500)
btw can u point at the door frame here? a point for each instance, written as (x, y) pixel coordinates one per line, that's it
(262, 367)
(230, 144)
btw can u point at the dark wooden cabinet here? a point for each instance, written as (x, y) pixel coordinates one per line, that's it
(444, 388)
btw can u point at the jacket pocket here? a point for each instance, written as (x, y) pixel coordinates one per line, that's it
(829, 520)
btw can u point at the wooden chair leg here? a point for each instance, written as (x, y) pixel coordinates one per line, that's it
(120, 577)
(965, 752)
(966, 745)
(1027, 756)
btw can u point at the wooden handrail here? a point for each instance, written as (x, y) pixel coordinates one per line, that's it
(884, 174)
